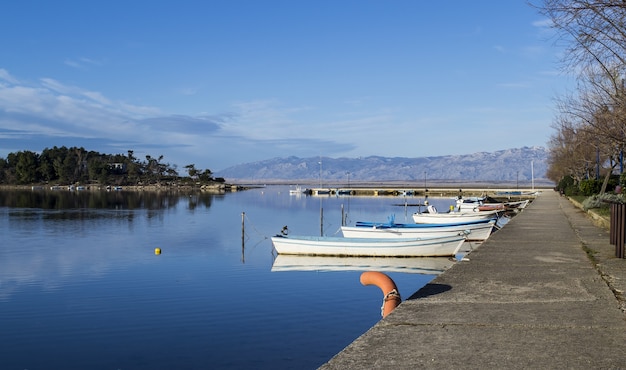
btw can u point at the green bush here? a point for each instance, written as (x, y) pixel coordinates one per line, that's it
(590, 187)
(567, 186)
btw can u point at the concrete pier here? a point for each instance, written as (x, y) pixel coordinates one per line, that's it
(500, 194)
(545, 292)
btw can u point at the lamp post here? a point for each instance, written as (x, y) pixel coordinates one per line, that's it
(425, 190)
(532, 174)
(320, 163)
(321, 208)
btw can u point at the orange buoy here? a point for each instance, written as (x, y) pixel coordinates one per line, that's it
(391, 298)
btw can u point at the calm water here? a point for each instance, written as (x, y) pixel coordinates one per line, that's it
(82, 288)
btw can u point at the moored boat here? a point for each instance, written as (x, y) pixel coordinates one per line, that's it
(469, 204)
(383, 247)
(297, 191)
(475, 204)
(490, 207)
(433, 217)
(517, 205)
(477, 230)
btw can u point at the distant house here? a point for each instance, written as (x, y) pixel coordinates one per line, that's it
(118, 166)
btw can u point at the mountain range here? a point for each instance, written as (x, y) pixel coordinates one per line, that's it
(520, 166)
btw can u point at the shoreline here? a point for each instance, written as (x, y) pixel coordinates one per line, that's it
(219, 187)
(499, 193)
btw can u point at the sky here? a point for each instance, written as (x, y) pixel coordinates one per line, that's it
(220, 83)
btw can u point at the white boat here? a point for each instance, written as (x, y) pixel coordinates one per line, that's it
(474, 204)
(517, 205)
(415, 265)
(434, 217)
(297, 191)
(470, 204)
(477, 230)
(383, 247)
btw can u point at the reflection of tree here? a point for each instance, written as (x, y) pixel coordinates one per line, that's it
(63, 199)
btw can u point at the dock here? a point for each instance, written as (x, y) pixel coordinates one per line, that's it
(544, 292)
(386, 190)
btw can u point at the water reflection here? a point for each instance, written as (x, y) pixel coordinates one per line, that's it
(420, 265)
(51, 238)
(129, 200)
(80, 284)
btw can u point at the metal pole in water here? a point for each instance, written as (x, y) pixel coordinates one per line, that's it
(243, 236)
(321, 221)
(343, 219)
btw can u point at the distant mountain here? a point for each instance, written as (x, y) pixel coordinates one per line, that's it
(517, 166)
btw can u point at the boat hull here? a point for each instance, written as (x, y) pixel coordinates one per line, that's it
(478, 231)
(452, 217)
(374, 247)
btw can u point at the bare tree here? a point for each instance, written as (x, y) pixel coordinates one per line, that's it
(594, 32)
(570, 153)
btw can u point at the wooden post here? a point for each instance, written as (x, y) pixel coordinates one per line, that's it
(617, 228)
(621, 233)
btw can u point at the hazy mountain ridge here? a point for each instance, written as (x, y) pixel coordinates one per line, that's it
(509, 165)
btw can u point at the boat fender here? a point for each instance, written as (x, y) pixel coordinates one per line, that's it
(391, 298)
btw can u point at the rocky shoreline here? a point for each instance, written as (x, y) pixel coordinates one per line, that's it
(213, 187)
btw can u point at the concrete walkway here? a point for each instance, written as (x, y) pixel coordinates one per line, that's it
(542, 293)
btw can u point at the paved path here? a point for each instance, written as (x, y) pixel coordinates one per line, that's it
(542, 293)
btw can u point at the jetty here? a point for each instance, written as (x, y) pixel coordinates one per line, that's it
(544, 292)
(387, 190)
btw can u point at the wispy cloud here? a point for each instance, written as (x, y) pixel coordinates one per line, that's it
(51, 113)
(5, 77)
(82, 63)
(181, 123)
(543, 23)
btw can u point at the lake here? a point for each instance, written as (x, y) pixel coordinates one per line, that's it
(82, 287)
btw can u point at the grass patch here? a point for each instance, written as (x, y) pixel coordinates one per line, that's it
(603, 211)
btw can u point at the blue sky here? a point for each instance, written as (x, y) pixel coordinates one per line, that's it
(218, 83)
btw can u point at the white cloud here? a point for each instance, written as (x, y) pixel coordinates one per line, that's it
(81, 63)
(51, 113)
(543, 23)
(6, 76)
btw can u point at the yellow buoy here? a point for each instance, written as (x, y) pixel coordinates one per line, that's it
(157, 251)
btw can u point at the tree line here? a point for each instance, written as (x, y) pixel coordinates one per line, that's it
(78, 166)
(588, 144)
